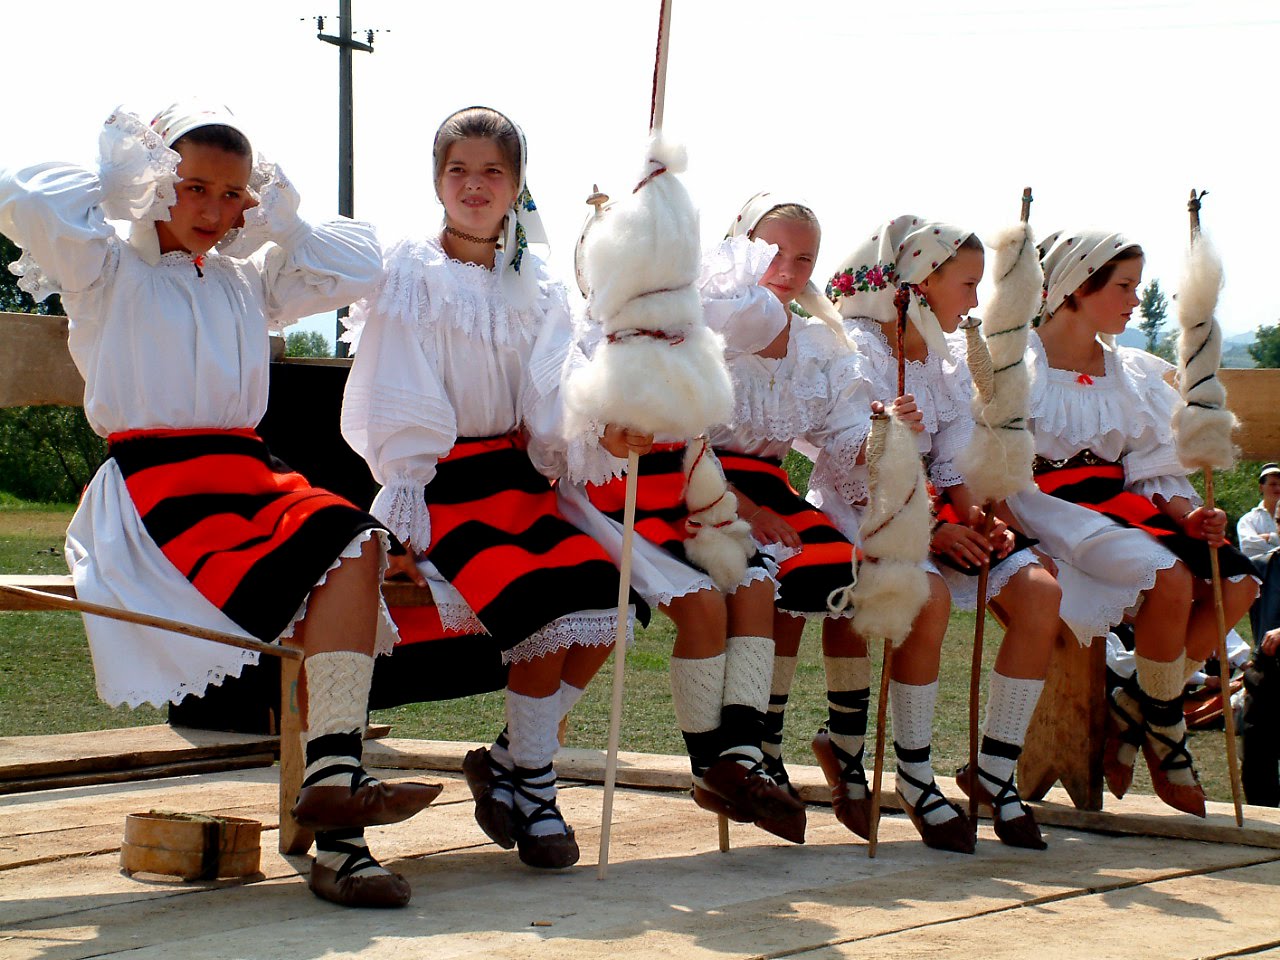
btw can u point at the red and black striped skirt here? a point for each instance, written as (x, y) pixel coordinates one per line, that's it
(251, 535)
(1098, 484)
(660, 508)
(500, 540)
(825, 562)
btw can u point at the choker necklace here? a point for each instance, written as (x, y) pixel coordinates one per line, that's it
(468, 237)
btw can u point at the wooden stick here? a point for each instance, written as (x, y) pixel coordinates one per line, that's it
(902, 301)
(724, 833)
(1224, 662)
(659, 95)
(877, 775)
(1026, 204)
(55, 602)
(619, 661)
(975, 667)
(1224, 665)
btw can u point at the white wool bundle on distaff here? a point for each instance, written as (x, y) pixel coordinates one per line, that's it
(997, 462)
(720, 543)
(658, 369)
(895, 531)
(1202, 427)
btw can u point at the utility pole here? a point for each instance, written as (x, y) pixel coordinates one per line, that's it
(346, 126)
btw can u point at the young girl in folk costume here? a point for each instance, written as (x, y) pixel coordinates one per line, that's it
(801, 388)
(1115, 508)
(190, 516)
(942, 265)
(452, 399)
(723, 654)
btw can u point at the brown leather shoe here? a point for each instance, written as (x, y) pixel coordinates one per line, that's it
(1020, 831)
(376, 803)
(553, 852)
(718, 805)
(1123, 727)
(380, 890)
(1189, 798)
(496, 819)
(955, 835)
(790, 828)
(853, 812)
(750, 792)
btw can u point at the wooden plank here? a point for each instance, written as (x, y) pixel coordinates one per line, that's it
(670, 895)
(25, 758)
(184, 768)
(1254, 397)
(37, 368)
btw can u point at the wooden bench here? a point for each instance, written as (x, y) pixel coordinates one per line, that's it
(1065, 739)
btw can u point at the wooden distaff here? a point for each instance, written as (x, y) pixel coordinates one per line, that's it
(1202, 430)
(657, 103)
(891, 586)
(998, 462)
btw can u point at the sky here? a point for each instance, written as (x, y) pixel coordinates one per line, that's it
(1111, 110)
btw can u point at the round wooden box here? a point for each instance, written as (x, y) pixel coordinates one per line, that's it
(192, 846)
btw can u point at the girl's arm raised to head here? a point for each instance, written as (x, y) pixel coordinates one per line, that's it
(57, 212)
(734, 304)
(306, 268)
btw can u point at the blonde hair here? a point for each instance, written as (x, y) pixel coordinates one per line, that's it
(820, 308)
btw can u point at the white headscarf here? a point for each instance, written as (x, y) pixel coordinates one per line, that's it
(810, 298)
(1072, 258)
(904, 251)
(171, 124)
(522, 227)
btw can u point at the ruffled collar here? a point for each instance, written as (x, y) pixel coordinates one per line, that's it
(938, 383)
(1131, 397)
(426, 288)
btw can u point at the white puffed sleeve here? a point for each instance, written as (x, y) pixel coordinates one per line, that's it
(541, 402)
(585, 460)
(396, 415)
(841, 441)
(58, 212)
(1151, 464)
(734, 304)
(306, 269)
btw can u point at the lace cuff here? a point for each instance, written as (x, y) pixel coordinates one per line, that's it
(733, 265)
(943, 473)
(275, 219)
(401, 507)
(837, 467)
(33, 280)
(1167, 487)
(588, 461)
(137, 170)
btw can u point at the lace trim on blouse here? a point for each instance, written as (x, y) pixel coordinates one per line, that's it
(424, 287)
(928, 380)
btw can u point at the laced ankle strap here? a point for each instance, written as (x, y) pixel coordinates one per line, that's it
(522, 779)
(339, 841)
(1003, 792)
(851, 768)
(931, 797)
(776, 771)
(359, 776)
(1129, 724)
(1178, 757)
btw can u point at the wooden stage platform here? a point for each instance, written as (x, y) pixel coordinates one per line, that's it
(670, 892)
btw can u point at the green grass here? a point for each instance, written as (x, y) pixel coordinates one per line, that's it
(46, 679)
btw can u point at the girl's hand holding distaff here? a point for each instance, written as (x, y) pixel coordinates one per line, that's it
(1205, 524)
(905, 409)
(621, 442)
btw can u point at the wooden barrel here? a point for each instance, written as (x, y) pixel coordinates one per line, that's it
(192, 846)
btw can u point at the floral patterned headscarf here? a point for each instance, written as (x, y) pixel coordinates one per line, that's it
(522, 227)
(903, 251)
(810, 298)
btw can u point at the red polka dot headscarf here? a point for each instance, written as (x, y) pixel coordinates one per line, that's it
(1072, 258)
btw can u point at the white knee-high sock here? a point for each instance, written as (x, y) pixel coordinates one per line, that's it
(747, 679)
(848, 697)
(532, 724)
(697, 688)
(337, 705)
(912, 740)
(1011, 702)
